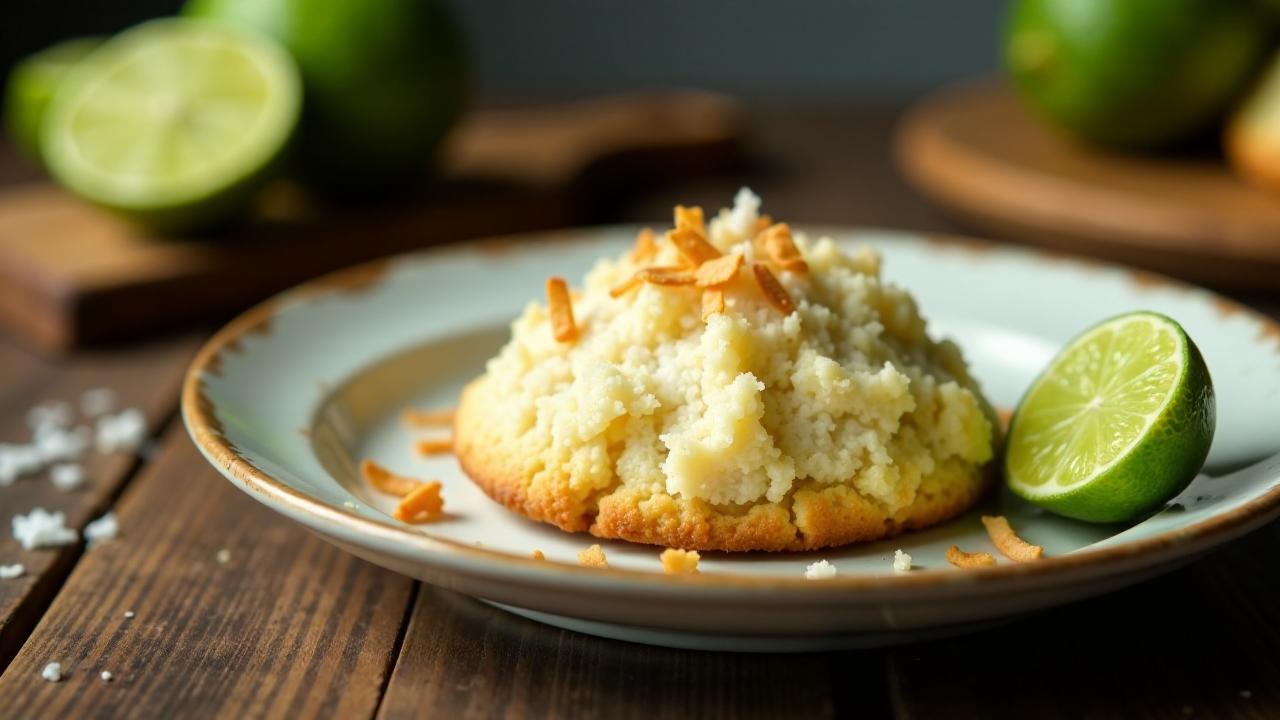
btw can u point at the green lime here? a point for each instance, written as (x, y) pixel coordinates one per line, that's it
(1119, 423)
(175, 123)
(385, 81)
(1134, 74)
(31, 85)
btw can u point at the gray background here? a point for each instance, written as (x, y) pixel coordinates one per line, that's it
(820, 51)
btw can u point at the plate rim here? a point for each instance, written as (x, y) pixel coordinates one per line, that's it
(198, 413)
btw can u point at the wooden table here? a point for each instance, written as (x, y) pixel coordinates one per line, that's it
(291, 626)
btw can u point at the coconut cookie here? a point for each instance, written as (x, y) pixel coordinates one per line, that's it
(728, 386)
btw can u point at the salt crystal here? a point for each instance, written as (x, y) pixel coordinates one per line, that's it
(55, 443)
(104, 528)
(43, 529)
(107, 676)
(98, 401)
(123, 431)
(901, 561)
(53, 413)
(52, 672)
(9, 572)
(128, 614)
(67, 476)
(820, 570)
(18, 460)
(224, 556)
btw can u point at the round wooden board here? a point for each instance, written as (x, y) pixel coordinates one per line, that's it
(976, 151)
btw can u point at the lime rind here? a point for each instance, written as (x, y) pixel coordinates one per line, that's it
(1119, 458)
(174, 121)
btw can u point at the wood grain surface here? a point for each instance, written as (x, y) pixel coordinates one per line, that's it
(291, 627)
(976, 150)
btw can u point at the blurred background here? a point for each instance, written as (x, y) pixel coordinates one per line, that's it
(853, 50)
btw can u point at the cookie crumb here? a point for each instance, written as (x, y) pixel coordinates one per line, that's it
(901, 561)
(52, 672)
(537, 555)
(820, 571)
(593, 557)
(680, 562)
(962, 559)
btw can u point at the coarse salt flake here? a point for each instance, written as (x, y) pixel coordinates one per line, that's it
(9, 572)
(52, 672)
(98, 401)
(54, 443)
(104, 528)
(18, 460)
(901, 561)
(123, 431)
(106, 676)
(820, 571)
(223, 556)
(67, 476)
(53, 413)
(128, 614)
(43, 529)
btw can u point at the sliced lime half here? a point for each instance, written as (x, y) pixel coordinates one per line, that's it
(1119, 422)
(175, 122)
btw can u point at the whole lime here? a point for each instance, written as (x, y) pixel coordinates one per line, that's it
(1135, 74)
(384, 82)
(31, 86)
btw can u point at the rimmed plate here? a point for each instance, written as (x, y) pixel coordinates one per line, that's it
(288, 398)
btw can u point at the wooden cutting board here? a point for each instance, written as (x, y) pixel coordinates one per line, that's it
(975, 150)
(71, 274)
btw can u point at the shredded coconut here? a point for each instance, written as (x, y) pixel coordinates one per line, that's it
(67, 476)
(43, 529)
(98, 401)
(124, 431)
(901, 561)
(224, 556)
(820, 571)
(9, 572)
(52, 672)
(104, 528)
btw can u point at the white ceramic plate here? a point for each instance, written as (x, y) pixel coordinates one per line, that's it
(288, 398)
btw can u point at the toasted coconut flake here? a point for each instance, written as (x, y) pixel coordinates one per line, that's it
(620, 290)
(712, 302)
(782, 249)
(718, 271)
(962, 559)
(772, 289)
(385, 481)
(593, 557)
(646, 247)
(692, 218)
(693, 246)
(434, 446)
(422, 505)
(560, 308)
(415, 418)
(679, 562)
(1008, 542)
(668, 276)
(537, 555)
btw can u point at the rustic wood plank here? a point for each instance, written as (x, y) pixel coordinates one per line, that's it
(290, 626)
(464, 659)
(1200, 642)
(145, 376)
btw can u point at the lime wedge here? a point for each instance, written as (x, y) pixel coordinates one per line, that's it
(174, 123)
(31, 86)
(1118, 424)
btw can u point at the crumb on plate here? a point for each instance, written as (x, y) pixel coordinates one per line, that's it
(593, 557)
(680, 562)
(537, 555)
(416, 418)
(820, 570)
(422, 505)
(901, 561)
(434, 446)
(385, 481)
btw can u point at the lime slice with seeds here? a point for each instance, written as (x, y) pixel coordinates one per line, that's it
(1118, 424)
(174, 123)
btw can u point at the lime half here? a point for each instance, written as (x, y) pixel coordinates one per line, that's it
(174, 123)
(31, 86)
(1118, 424)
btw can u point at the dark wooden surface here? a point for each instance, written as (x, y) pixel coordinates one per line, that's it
(292, 627)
